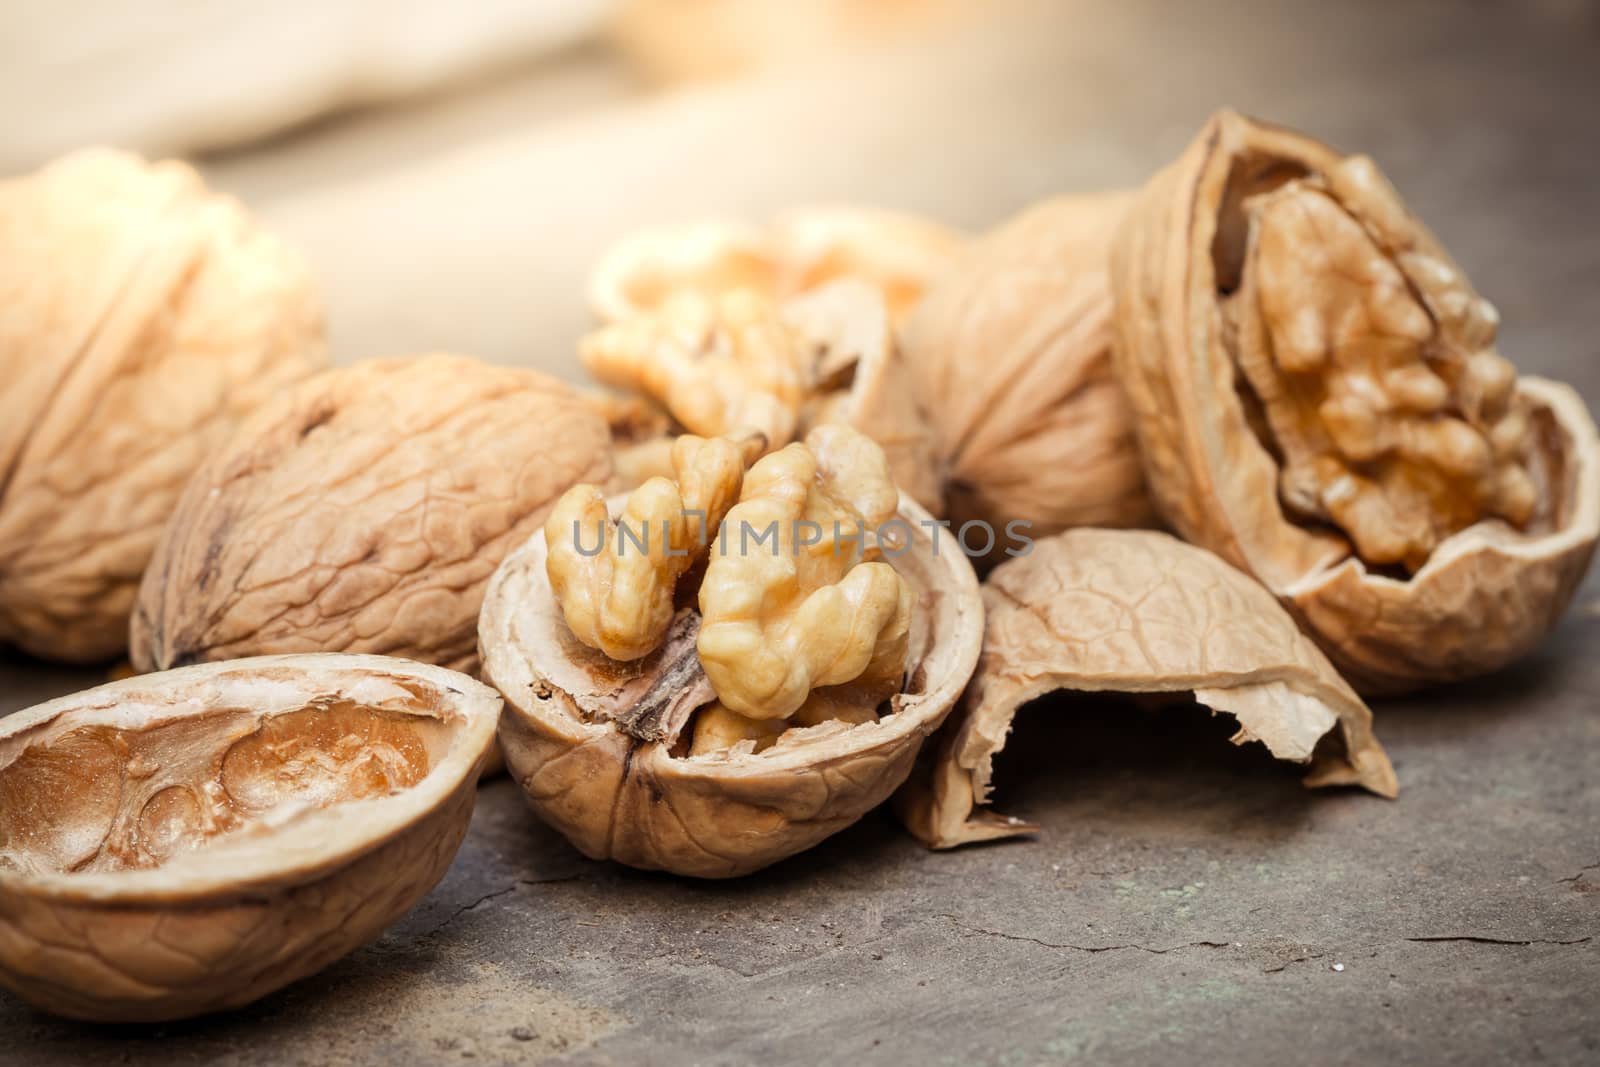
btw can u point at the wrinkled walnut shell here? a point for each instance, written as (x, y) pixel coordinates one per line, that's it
(1137, 612)
(714, 816)
(1485, 594)
(1009, 359)
(364, 512)
(186, 842)
(141, 316)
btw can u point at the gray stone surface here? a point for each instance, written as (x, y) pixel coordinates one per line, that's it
(1186, 900)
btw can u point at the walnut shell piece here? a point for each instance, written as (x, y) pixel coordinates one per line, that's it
(1134, 611)
(590, 740)
(186, 842)
(1009, 359)
(1319, 401)
(141, 316)
(364, 512)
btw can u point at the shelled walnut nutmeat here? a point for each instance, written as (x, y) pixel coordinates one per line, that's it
(1319, 400)
(141, 317)
(711, 756)
(801, 250)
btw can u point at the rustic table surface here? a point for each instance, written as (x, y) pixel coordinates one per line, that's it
(1185, 900)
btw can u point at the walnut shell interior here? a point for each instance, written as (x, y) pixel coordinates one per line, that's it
(182, 842)
(599, 748)
(1303, 449)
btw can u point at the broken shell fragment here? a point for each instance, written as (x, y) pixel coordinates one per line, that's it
(1137, 612)
(1319, 401)
(185, 842)
(601, 748)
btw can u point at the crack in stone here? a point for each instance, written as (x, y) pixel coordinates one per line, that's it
(1286, 964)
(958, 924)
(1581, 872)
(512, 888)
(1482, 939)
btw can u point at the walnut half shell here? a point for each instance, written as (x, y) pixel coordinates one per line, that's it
(185, 842)
(1137, 612)
(1319, 401)
(586, 738)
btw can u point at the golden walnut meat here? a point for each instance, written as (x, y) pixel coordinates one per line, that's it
(364, 512)
(793, 701)
(802, 250)
(742, 362)
(1009, 359)
(817, 610)
(141, 316)
(1319, 400)
(716, 364)
(190, 841)
(617, 591)
(1136, 612)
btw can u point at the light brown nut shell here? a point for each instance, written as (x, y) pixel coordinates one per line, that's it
(1484, 597)
(349, 781)
(141, 317)
(713, 816)
(849, 321)
(1137, 612)
(1009, 358)
(364, 512)
(802, 249)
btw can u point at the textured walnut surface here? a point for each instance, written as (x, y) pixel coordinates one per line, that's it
(593, 742)
(141, 317)
(1137, 612)
(188, 841)
(1319, 400)
(364, 512)
(1009, 356)
(1175, 838)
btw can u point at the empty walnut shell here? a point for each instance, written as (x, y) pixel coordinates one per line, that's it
(1140, 612)
(364, 512)
(802, 250)
(140, 317)
(1319, 401)
(1009, 358)
(623, 788)
(185, 842)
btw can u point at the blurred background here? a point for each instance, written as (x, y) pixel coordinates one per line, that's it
(453, 168)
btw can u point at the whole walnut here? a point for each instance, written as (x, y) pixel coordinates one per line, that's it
(1009, 358)
(364, 511)
(141, 317)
